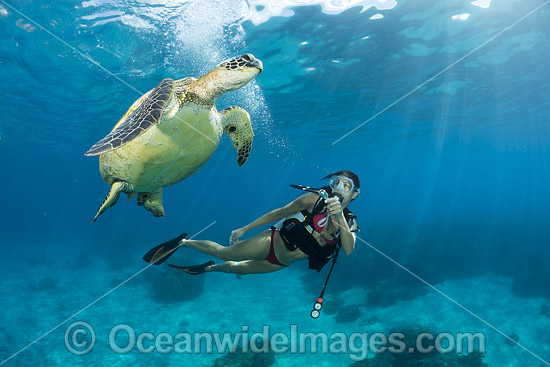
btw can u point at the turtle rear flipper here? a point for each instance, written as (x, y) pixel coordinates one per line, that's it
(113, 196)
(236, 124)
(152, 201)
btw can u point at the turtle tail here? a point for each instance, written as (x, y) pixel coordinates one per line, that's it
(112, 196)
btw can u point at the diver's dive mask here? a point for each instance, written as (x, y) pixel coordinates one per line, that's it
(342, 184)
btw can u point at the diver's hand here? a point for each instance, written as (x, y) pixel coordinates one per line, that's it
(334, 206)
(235, 235)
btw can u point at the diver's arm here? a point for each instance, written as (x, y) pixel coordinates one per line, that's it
(297, 205)
(301, 203)
(347, 238)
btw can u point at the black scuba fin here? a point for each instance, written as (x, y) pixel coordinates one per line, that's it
(193, 269)
(158, 254)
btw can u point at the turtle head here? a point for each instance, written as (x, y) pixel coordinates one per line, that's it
(236, 72)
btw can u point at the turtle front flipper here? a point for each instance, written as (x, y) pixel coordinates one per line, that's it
(143, 114)
(113, 196)
(236, 124)
(152, 201)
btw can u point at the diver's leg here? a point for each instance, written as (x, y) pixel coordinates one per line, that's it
(254, 248)
(245, 267)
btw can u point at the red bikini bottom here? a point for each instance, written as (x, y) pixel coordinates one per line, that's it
(271, 257)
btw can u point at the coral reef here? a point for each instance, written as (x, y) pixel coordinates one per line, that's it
(83, 261)
(249, 359)
(533, 283)
(38, 261)
(45, 284)
(369, 321)
(545, 310)
(129, 281)
(170, 285)
(513, 342)
(434, 359)
(387, 293)
(331, 304)
(347, 314)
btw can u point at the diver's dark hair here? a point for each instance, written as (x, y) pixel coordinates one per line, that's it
(347, 174)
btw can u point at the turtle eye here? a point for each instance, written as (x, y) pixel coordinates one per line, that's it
(231, 129)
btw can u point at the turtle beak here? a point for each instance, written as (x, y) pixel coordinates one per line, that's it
(256, 64)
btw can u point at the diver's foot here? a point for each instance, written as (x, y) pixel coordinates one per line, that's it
(182, 237)
(194, 269)
(184, 242)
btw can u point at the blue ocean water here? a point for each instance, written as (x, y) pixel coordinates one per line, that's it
(440, 107)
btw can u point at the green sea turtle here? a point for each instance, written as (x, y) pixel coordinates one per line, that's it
(171, 131)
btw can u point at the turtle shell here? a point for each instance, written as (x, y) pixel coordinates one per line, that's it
(138, 120)
(170, 141)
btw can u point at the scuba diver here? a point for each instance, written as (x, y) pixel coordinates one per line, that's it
(314, 226)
